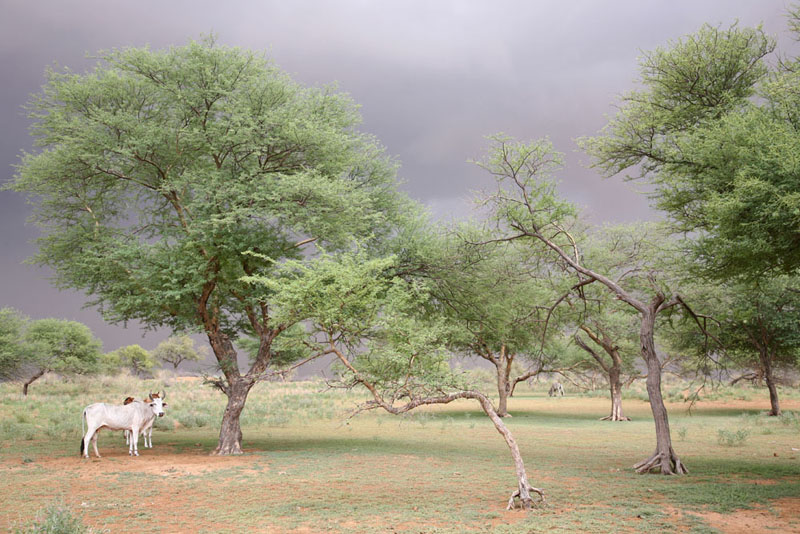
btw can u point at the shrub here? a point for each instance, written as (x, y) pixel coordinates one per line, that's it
(729, 438)
(55, 519)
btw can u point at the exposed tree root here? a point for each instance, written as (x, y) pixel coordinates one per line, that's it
(615, 418)
(522, 500)
(666, 464)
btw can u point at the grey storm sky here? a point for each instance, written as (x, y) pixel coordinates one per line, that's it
(433, 78)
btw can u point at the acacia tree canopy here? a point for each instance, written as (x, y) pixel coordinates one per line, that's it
(384, 332)
(159, 170)
(177, 349)
(140, 361)
(714, 129)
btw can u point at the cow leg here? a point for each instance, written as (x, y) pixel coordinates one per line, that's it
(94, 444)
(133, 449)
(90, 434)
(150, 437)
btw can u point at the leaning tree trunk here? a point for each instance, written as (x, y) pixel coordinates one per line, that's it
(524, 488)
(766, 363)
(35, 377)
(615, 384)
(664, 458)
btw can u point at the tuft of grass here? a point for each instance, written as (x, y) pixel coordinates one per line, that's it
(55, 519)
(732, 438)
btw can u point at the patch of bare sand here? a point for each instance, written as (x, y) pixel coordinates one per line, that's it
(152, 462)
(783, 517)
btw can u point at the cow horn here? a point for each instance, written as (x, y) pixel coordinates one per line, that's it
(163, 394)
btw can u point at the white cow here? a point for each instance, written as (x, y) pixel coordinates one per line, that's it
(556, 389)
(147, 431)
(134, 417)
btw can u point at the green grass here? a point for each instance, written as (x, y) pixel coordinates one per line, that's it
(447, 470)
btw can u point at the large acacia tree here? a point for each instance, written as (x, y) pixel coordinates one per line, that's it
(157, 172)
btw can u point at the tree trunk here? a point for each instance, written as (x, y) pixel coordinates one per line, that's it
(775, 405)
(615, 384)
(236, 388)
(38, 375)
(524, 490)
(503, 386)
(230, 432)
(664, 459)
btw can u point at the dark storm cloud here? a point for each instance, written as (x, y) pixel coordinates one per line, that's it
(433, 78)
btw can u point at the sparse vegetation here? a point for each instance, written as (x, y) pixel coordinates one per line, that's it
(314, 469)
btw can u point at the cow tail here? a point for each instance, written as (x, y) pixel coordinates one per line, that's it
(83, 430)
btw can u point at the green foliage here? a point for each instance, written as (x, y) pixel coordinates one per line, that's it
(13, 350)
(356, 306)
(497, 299)
(636, 256)
(133, 357)
(715, 130)
(756, 323)
(55, 519)
(735, 438)
(60, 346)
(525, 167)
(177, 349)
(158, 170)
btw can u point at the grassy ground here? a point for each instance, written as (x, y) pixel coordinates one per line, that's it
(439, 471)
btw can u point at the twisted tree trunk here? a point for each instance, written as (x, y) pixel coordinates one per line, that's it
(236, 388)
(664, 458)
(524, 488)
(230, 432)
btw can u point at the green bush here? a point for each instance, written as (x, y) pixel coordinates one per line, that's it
(729, 438)
(55, 519)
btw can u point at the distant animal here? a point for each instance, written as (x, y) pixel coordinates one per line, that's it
(147, 432)
(556, 389)
(135, 417)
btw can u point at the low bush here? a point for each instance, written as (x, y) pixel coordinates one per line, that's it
(55, 519)
(730, 438)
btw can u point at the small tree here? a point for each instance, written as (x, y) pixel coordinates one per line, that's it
(379, 326)
(752, 327)
(135, 358)
(500, 302)
(13, 350)
(178, 349)
(60, 346)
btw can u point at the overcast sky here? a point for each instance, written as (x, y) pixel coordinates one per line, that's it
(433, 78)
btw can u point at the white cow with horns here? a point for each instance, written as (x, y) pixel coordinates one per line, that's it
(134, 417)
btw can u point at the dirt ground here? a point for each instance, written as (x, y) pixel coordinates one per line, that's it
(101, 490)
